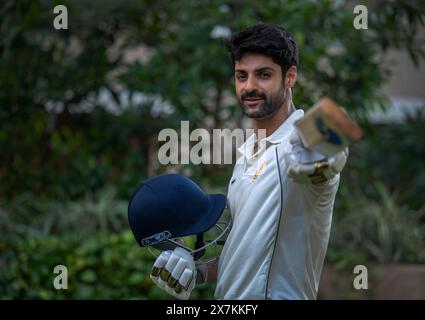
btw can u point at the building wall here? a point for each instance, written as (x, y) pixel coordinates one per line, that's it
(406, 87)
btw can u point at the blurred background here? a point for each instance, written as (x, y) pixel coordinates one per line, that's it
(81, 109)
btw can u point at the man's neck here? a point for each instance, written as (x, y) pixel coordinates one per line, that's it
(274, 121)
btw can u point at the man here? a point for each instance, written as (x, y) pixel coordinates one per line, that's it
(281, 210)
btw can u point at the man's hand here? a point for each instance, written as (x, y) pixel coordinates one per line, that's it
(307, 166)
(175, 272)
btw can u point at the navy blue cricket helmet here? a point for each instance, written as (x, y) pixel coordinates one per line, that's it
(172, 206)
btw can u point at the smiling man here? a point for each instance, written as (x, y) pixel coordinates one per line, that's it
(281, 211)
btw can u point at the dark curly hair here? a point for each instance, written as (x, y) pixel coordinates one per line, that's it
(268, 39)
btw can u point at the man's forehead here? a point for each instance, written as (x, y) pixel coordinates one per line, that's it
(254, 61)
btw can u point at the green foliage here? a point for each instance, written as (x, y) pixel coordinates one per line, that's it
(62, 153)
(28, 216)
(379, 211)
(377, 230)
(56, 138)
(393, 155)
(101, 266)
(91, 237)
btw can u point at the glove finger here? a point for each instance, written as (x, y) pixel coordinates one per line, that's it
(183, 253)
(337, 162)
(301, 169)
(160, 262)
(184, 280)
(176, 273)
(166, 271)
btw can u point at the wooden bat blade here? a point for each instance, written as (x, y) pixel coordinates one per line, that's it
(327, 128)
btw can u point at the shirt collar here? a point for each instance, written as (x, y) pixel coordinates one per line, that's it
(284, 130)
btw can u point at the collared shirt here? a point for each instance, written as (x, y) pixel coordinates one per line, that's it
(280, 231)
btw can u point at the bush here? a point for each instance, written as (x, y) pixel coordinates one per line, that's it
(102, 266)
(26, 216)
(91, 237)
(391, 154)
(377, 230)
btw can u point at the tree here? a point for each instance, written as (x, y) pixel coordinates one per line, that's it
(184, 63)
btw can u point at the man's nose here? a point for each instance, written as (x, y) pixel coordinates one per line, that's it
(250, 84)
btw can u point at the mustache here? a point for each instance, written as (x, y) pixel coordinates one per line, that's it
(253, 94)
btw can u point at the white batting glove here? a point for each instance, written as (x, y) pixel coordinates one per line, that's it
(175, 272)
(307, 166)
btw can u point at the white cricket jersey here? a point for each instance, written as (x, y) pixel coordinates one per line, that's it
(280, 231)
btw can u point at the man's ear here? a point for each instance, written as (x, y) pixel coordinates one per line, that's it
(291, 77)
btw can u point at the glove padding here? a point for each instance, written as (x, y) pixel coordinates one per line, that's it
(307, 166)
(175, 272)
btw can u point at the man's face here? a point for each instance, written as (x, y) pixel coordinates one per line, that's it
(259, 85)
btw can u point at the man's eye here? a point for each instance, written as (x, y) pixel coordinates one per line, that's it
(240, 77)
(265, 75)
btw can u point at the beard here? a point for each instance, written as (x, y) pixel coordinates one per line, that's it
(264, 106)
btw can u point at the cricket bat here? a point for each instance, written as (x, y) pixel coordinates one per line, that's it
(326, 128)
